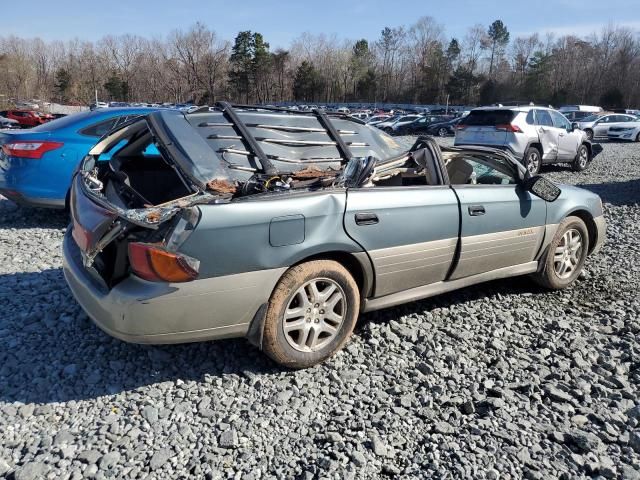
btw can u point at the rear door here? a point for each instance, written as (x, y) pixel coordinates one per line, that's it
(479, 127)
(503, 225)
(568, 141)
(410, 233)
(548, 134)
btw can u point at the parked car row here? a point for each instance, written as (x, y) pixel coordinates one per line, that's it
(26, 118)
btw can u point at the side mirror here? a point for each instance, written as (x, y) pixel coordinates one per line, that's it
(574, 126)
(571, 128)
(543, 188)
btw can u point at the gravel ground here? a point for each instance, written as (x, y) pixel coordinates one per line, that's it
(502, 380)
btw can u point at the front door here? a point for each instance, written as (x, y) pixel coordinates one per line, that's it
(548, 135)
(502, 224)
(409, 232)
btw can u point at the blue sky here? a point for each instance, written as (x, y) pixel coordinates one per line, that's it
(281, 21)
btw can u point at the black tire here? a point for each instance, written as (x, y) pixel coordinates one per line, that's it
(532, 160)
(388, 130)
(548, 276)
(295, 348)
(638, 137)
(589, 133)
(582, 159)
(442, 132)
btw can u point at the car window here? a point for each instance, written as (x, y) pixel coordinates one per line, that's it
(530, 118)
(480, 170)
(543, 118)
(605, 119)
(488, 118)
(100, 128)
(591, 118)
(559, 120)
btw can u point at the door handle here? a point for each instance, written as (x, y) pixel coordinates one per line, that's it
(366, 218)
(561, 134)
(476, 210)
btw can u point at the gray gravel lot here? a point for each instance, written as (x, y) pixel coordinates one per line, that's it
(502, 380)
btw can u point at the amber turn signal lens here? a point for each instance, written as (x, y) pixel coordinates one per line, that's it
(154, 263)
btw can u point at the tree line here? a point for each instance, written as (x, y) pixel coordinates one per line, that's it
(407, 64)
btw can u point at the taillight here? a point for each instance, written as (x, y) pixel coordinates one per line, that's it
(33, 150)
(154, 263)
(460, 127)
(508, 128)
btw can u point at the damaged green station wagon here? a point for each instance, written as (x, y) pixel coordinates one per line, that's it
(283, 226)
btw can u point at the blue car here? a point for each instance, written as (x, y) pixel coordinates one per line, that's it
(36, 165)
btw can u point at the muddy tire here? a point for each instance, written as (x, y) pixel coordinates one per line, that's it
(582, 159)
(532, 160)
(565, 256)
(311, 314)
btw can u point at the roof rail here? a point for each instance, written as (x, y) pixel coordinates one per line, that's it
(256, 149)
(520, 104)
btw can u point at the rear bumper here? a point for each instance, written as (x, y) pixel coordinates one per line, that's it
(22, 182)
(138, 311)
(21, 199)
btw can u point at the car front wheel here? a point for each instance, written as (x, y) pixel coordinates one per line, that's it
(582, 159)
(565, 256)
(442, 132)
(311, 314)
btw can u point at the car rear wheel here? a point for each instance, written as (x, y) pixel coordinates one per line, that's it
(565, 256)
(311, 314)
(582, 159)
(589, 133)
(532, 160)
(638, 137)
(442, 132)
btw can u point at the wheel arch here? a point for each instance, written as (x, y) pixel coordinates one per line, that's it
(536, 144)
(357, 264)
(588, 220)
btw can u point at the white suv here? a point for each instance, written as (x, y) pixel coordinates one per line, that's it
(535, 135)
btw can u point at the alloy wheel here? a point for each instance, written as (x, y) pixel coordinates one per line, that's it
(442, 132)
(568, 253)
(583, 157)
(314, 315)
(533, 162)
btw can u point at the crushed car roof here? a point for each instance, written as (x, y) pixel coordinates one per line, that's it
(235, 142)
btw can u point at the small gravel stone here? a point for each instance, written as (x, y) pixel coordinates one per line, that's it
(159, 458)
(229, 439)
(31, 471)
